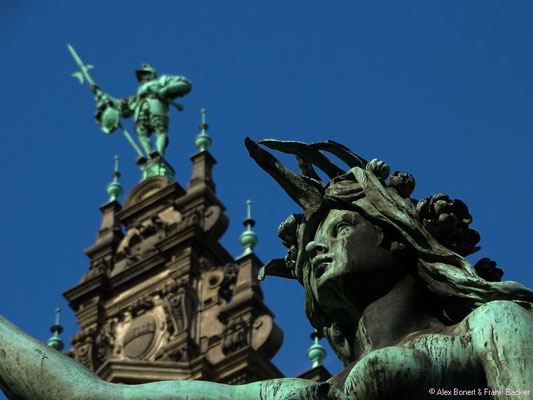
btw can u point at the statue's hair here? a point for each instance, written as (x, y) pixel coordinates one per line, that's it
(435, 228)
(447, 274)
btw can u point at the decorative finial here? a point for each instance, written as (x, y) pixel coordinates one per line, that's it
(55, 341)
(248, 238)
(115, 172)
(203, 141)
(114, 189)
(316, 352)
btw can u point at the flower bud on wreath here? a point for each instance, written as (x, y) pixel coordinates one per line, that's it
(448, 221)
(379, 168)
(403, 182)
(487, 269)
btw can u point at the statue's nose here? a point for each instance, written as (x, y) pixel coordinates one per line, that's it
(313, 248)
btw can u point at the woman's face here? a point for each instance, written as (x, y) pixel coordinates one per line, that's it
(348, 262)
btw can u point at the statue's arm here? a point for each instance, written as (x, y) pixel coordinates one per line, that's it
(288, 389)
(172, 86)
(31, 370)
(273, 389)
(502, 332)
(126, 106)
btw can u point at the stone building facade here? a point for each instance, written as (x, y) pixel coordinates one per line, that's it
(162, 298)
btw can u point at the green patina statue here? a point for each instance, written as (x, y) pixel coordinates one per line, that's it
(386, 282)
(149, 107)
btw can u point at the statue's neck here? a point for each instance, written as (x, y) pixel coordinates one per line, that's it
(406, 309)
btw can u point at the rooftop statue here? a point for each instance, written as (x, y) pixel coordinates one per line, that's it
(149, 107)
(386, 282)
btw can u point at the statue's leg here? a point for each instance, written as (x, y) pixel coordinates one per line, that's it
(160, 125)
(144, 137)
(161, 141)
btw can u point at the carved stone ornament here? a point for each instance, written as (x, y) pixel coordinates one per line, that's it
(218, 284)
(178, 308)
(146, 189)
(140, 336)
(83, 345)
(215, 221)
(101, 265)
(236, 336)
(105, 341)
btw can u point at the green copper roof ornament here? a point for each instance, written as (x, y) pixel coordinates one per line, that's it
(203, 141)
(55, 341)
(316, 352)
(248, 238)
(114, 189)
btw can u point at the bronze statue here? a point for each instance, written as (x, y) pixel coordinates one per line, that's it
(386, 282)
(149, 107)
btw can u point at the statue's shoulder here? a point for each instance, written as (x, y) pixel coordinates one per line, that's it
(496, 323)
(497, 312)
(167, 79)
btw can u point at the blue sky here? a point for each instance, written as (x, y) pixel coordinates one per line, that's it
(443, 90)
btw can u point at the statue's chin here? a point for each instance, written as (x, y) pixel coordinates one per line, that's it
(340, 341)
(333, 299)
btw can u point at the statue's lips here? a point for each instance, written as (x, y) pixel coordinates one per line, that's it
(319, 264)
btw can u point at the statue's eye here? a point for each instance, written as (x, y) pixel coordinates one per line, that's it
(342, 227)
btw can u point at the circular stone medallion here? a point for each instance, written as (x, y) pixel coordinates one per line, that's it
(140, 337)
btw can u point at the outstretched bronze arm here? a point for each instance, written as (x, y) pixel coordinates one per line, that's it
(31, 370)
